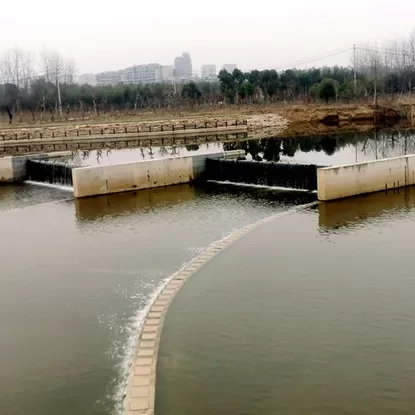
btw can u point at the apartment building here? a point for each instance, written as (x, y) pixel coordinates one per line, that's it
(109, 78)
(208, 72)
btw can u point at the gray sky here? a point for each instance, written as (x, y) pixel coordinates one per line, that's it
(260, 34)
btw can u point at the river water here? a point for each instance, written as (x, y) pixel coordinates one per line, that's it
(76, 277)
(312, 313)
(321, 150)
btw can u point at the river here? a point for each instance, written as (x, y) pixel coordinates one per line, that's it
(78, 275)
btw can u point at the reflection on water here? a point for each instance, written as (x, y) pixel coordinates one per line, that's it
(333, 149)
(127, 203)
(75, 278)
(291, 320)
(342, 148)
(22, 195)
(125, 155)
(356, 210)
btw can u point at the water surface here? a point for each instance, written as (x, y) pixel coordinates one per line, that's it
(312, 313)
(76, 277)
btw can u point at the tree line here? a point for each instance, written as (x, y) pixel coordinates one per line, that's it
(52, 93)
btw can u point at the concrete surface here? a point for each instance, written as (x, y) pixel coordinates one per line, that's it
(356, 179)
(101, 180)
(12, 169)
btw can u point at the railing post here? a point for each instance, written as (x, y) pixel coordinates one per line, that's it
(172, 127)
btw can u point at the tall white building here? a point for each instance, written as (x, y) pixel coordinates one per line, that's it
(167, 73)
(230, 67)
(183, 70)
(109, 77)
(209, 72)
(143, 74)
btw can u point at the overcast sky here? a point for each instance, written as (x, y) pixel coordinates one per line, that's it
(101, 35)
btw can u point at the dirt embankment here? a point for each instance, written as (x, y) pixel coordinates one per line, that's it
(262, 121)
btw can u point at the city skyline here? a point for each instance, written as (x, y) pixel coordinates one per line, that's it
(281, 35)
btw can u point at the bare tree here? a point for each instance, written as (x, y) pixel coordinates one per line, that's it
(17, 67)
(53, 67)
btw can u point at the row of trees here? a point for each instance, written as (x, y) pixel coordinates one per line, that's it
(50, 92)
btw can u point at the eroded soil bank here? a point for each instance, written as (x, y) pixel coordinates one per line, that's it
(263, 121)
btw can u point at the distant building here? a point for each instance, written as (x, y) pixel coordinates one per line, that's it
(109, 78)
(209, 73)
(142, 74)
(87, 79)
(183, 70)
(167, 73)
(230, 67)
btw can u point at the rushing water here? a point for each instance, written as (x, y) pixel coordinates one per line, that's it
(76, 276)
(311, 314)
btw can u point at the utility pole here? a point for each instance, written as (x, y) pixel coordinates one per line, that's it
(376, 83)
(354, 70)
(59, 96)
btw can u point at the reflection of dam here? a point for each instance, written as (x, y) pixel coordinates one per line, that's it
(123, 203)
(350, 211)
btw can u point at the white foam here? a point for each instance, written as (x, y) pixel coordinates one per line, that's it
(260, 186)
(139, 317)
(50, 185)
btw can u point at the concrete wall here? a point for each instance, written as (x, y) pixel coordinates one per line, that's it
(356, 179)
(6, 170)
(12, 169)
(101, 180)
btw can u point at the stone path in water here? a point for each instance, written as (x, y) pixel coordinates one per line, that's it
(140, 393)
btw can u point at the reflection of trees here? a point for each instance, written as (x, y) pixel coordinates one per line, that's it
(375, 145)
(393, 144)
(192, 147)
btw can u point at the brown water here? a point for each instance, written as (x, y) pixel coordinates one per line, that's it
(76, 278)
(312, 313)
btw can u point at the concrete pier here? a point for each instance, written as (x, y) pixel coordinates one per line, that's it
(101, 180)
(12, 169)
(356, 179)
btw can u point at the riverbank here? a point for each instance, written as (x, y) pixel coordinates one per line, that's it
(263, 121)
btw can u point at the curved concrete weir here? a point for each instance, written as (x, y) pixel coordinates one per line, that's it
(140, 393)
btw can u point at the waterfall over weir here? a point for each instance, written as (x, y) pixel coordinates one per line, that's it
(295, 176)
(49, 172)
